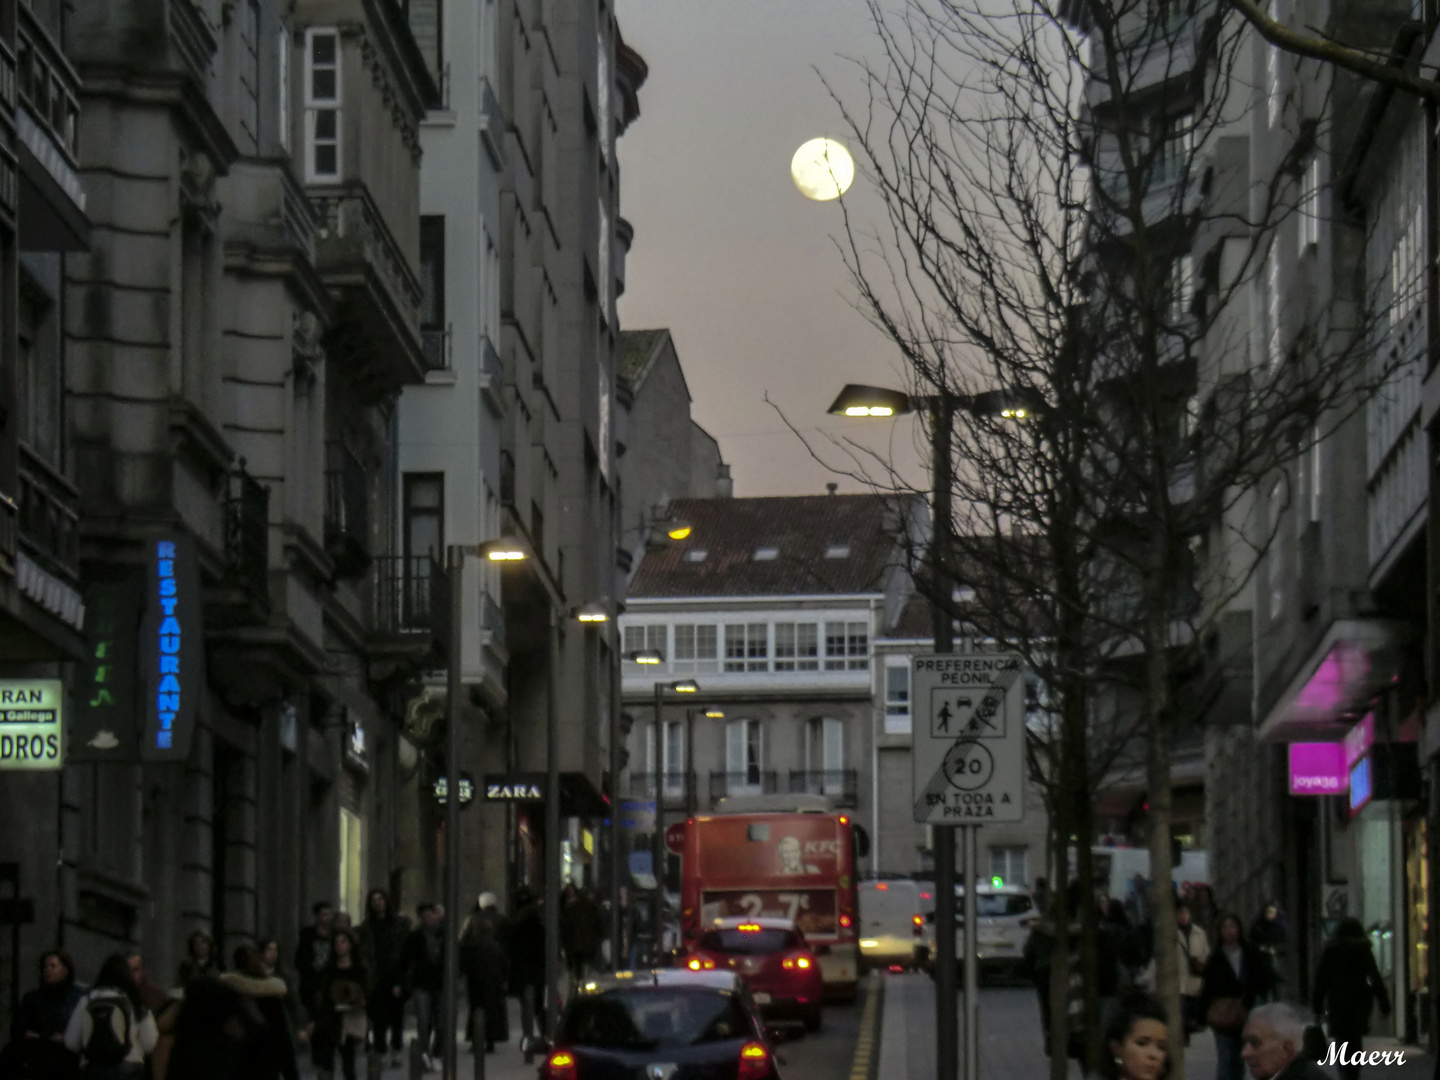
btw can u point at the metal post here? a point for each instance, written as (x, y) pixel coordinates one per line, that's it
(942, 415)
(552, 831)
(657, 837)
(969, 840)
(691, 795)
(619, 863)
(454, 566)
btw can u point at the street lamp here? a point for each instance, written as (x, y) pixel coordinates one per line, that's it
(657, 838)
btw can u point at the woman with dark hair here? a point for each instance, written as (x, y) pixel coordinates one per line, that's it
(1137, 1040)
(37, 1028)
(340, 999)
(1236, 977)
(273, 965)
(1347, 987)
(199, 959)
(382, 948)
(110, 1028)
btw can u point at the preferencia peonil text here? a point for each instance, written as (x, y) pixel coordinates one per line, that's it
(1338, 1056)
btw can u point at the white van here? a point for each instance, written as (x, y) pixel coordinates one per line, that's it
(1116, 867)
(892, 924)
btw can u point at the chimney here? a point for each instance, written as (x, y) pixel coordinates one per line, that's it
(724, 485)
(831, 488)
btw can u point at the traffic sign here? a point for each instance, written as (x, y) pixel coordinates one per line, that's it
(675, 838)
(968, 747)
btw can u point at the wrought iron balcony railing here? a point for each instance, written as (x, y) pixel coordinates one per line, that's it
(841, 785)
(48, 518)
(411, 596)
(748, 782)
(247, 535)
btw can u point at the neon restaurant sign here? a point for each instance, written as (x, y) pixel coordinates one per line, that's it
(171, 644)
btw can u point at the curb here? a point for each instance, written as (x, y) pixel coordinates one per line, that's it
(866, 1059)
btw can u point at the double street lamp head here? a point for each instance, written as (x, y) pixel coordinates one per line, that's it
(503, 551)
(856, 400)
(1011, 404)
(645, 656)
(591, 613)
(685, 686)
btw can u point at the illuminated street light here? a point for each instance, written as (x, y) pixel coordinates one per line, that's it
(856, 400)
(679, 530)
(645, 656)
(715, 714)
(591, 613)
(685, 686)
(503, 551)
(822, 169)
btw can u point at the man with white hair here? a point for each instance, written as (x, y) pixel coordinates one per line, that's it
(1273, 1044)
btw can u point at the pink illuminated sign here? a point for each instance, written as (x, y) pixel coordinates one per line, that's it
(1318, 769)
(1359, 740)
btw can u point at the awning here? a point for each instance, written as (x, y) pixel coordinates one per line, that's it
(1353, 661)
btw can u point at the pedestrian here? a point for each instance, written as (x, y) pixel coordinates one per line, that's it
(37, 1049)
(269, 1052)
(1347, 988)
(212, 1028)
(273, 966)
(1040, 896)
(1039, 952)
(162, 1005)
(1193, 947)
(526, 951)
(1274, 1043)
(581, 931)
(1268, 934)
(340, 1000)
(1124, 942)
(312, 953)
(111, 1029)
(342, 921)
(1137, 1040)
(382, 948)
(199, 959)
(1137, 901)
(483, 963)
(1235, 977)
(423, 962)
(1204, 910)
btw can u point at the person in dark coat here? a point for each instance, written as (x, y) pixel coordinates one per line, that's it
(37, 1027)
(1268, 933)
(1235, 972)
(424, 965)
(340, 998)
(1039, 951)
(1348, 986)
(484, 965)
(312, 952)
(212, 1027)
(525, 947)
(200, 959)
(582, 930)
(382, 947)
(269, 1052)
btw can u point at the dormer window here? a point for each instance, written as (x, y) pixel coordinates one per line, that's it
(837, 551)
(766, 554)
(695, 555)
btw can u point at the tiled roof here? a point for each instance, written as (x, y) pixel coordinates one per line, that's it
(635, 352)
(801, 529)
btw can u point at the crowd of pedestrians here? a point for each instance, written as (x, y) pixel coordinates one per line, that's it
(1227, 978)
(345, 997)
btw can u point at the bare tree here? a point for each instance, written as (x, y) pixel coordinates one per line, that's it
(1076, 238)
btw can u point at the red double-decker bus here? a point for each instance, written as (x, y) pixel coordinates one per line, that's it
(789, 864)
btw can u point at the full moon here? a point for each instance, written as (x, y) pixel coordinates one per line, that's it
(822, 169)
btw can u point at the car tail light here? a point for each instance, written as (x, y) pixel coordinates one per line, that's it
(754, 1062)
(799, 961)
(700, 963)
(847, 922)
(882, 887)
(748, 928)
(560, 1066)
(919, 921)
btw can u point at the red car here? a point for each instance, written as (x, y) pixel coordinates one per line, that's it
(772, 956)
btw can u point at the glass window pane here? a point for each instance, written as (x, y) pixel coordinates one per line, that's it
(322, 48)
(322, 84)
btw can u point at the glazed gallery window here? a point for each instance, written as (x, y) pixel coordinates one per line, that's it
(747, 647)
(847, 646)
(696, 649)
(322, 105)
(797, 647)
(646, 639)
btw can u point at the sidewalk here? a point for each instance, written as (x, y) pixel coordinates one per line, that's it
(1011, 1046)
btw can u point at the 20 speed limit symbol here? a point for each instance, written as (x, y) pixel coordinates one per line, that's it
(969, 765)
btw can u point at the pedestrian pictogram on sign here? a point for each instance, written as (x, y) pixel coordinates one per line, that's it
(968, 756)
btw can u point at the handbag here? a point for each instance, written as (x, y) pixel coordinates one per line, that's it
(1226, 1014)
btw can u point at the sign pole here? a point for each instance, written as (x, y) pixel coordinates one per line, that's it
(450, 1058)
(946, 1026)
(657, 838)
(970, 835)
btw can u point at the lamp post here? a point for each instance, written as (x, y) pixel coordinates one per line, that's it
(498, 551)
(657, 839)
(594, 614)
(871, 401)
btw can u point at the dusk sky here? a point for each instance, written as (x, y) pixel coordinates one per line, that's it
(728, 254)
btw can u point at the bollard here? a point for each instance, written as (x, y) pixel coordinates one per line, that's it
(477, 1025)
(415, 1069)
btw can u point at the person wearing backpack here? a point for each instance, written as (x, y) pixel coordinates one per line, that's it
(111, 1029)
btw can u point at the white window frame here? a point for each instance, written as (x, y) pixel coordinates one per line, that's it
(825, 755)
(1309, 235)
(1004, 861)
(855, 637)
(754, 641)
(787, 647)
(1181, 288)
(282, 76)
(698, 662)
(652, 637)
(737, 753)
(315, 106)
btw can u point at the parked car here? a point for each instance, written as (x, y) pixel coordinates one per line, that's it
(776, 962)
(1003, 916)
(892, 925)
(671, 1022)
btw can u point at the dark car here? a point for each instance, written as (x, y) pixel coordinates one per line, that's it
(673, 1024)
(774, 959)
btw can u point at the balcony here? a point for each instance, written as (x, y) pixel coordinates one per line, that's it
(411, 615)
(435, 343)
(679, 787)
(52, 197)
(247, 538)
(492, 126)
(40, 538)
(841, 786)
(749, 782)
(347, 513)
(375, 336)
(492, 620)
